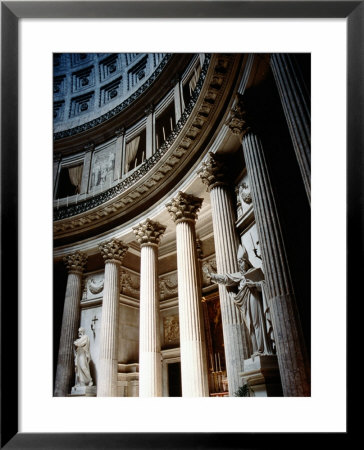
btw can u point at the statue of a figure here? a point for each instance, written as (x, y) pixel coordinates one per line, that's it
(249, 300)
(82, 359)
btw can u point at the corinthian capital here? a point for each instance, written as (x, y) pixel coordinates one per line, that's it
(113, 250)
(237, 120)
(212, 172)
(75, 262)
(149, 232)
(184, 207)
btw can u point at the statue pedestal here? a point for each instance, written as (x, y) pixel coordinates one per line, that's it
(83, 391)
(261, 373)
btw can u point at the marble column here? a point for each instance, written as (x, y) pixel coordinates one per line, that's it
(150, 132)
(296, 105)
(75, 264)
(113, 253)
(148, 235)
(183, 209)
(291, 351)
(212, 174)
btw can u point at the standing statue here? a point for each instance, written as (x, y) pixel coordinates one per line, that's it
(249, 300)
(82, 359)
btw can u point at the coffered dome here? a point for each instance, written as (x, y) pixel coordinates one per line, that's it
(89, 85)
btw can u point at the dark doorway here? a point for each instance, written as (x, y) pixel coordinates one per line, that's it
(174, 380)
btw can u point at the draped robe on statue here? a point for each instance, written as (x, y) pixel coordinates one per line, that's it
(82, 361)
(250, 301)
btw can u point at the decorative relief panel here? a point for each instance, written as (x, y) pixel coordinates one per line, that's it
(110, 92)
(93, 286)
(83, 79)
(171, 330)
(129, 284)
(168, 286)
(103, 165)
(81, 105)
(243, 197)
(109, 67)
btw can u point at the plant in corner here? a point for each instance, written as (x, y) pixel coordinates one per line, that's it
(244, 391)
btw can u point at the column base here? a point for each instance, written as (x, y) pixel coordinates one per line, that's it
(261, 374)
(83, 391)
(128, 380)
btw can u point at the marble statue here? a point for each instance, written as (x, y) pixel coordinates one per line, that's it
(82, 359)
(249, 300)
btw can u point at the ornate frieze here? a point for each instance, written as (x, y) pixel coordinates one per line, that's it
(171, 330)
(168, 286)
(129, 284)
(95, 286)
(75, 262)
(113, 250)
(212, 172)
(149, 232)
(184, 207)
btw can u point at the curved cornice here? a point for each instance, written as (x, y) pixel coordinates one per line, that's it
(163, 169)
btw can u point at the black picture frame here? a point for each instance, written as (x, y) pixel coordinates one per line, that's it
(11, 12)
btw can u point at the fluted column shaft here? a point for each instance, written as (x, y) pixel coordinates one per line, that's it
(70, 322)
(291, 351)
(296, 105)
(148, 234)
(150, 366)
(213, 174)
(226, 245)
(193, 352)
(113, 253)
(183, 210)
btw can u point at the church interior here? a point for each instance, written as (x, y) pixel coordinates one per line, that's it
(181, 225)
